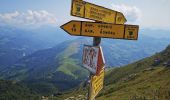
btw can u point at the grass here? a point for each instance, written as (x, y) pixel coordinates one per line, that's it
(149, 85)
(71, 93)
(68, 66)
(141, 80)
(71, 66)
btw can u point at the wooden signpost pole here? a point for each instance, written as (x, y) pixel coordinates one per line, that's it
(89, 90)
(96, 42)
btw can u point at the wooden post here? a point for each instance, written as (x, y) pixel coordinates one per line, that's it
(96, 42)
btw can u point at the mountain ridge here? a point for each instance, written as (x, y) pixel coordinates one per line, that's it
(146, 79)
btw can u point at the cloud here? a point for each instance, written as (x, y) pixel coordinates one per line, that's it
(132, 13)
(166, 1)
(28, 18)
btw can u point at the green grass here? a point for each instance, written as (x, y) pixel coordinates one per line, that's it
(141, 80)
(68, 66)
(146, 85)
(10, 90)
(70, 50)
(71, 66)
(71, 93)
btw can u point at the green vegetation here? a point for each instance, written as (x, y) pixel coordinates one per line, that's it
(78, 93)
(49, 71)
(152, 84)
(147, 79)
(10, 90)
(69, 65)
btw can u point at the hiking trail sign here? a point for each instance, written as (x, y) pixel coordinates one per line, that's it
(96, 84)
(104, 30)
(91, 11)
(108, 24)
(93, 59)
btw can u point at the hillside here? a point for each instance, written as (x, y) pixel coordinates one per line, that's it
(51, 70)
(10, 90)
(142, 80)
(17, 43)
(147, 79)
(59, 68)
(122, 52)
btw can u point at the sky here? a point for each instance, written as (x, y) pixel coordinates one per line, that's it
(153, 14)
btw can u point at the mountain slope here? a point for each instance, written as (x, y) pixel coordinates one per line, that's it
(16, 43)
(13, 91)
(116, 53)
(147, 79)
(142, 80)
(123, 52)
(56, 68)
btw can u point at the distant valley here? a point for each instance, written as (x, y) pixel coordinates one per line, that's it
(16, 43)
(48, 63)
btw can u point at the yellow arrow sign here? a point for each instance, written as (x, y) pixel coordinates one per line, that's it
(96, 29)
(94, 12)
(96, 84)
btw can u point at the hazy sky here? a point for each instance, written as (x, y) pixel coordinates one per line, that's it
(146, 13)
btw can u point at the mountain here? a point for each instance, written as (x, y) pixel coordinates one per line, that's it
(16, 43)
(57, 68)
(146, 79)
(156, 33)
(10, 90)
(142, 80)
(122, 52)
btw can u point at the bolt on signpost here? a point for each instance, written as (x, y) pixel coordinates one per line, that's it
(108, 24)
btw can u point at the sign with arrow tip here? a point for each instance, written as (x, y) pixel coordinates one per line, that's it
(94, 12)
(103, 30)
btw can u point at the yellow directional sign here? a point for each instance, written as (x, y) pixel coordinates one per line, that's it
(96, 84)
(95, 29)
(91, 11)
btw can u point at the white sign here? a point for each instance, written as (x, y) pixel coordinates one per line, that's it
(90, 57)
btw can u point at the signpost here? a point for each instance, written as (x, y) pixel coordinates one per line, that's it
(96, 84)
(109, 24)
(92, 93)
(93, 59)
(94, 12)
(96, 29)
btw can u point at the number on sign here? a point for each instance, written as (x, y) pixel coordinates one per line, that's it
(74, 28)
